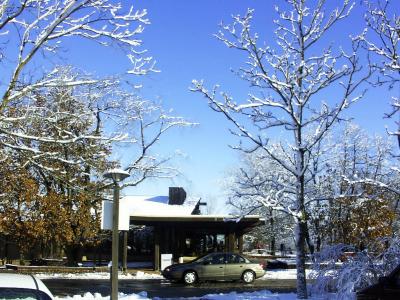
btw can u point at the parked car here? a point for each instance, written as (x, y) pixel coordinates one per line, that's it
(215, 266)
(47, 262)
(259, 252)
(387, 288)
(347, 255)
(276, 264)
(18, 286)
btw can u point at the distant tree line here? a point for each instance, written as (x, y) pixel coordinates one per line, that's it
(352, 195)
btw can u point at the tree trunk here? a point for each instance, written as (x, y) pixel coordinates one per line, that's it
(301, 231)
(310, 243)
(272, 245)
(272, 224)
(301, 260)
(318, 243)
(74, 254)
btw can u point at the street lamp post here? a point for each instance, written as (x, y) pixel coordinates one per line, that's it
(116, 175)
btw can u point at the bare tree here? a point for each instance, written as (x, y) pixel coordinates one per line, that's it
(60, 140)
(289, 82)
(382, 38)
(259, 185)
(40, 129)
(32, 36)
(146, 123)
(64, 124)
(36, 26)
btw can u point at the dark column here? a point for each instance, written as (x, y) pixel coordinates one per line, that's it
(167, 240)
(179, 243)
(124, 251)
(173, 244)
(231, 242)
(156, 248)
(240, 243)
(204, 250)
(163, 233)
(215, 243)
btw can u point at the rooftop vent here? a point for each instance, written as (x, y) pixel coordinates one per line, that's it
(177, 196)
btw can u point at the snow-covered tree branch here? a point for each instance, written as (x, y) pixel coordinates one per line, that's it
(287, 82)
(147, 124)
(357, 272)
(42, 27)
(382, 38)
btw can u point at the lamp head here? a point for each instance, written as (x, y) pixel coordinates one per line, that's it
(116, 175)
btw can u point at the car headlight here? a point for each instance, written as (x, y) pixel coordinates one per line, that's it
(167, 270)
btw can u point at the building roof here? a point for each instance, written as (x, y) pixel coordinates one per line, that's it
(156, 210)
(156, 206)
(209, 223)
(145, 206)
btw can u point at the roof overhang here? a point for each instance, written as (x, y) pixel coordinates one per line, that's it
(210, 223)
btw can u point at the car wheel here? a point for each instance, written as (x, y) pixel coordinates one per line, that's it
(248, 276)
(189, 277)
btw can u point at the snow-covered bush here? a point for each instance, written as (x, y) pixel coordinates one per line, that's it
(334, 271)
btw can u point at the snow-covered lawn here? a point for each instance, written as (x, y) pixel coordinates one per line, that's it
(140, 275)
(98, 275)
(259, 295)
(282, 274)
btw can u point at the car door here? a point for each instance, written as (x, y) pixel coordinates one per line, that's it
(235, 265)
(213, 268)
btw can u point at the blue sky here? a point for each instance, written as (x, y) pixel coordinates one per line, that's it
(180, 38)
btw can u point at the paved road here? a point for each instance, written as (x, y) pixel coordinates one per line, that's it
(163, 288)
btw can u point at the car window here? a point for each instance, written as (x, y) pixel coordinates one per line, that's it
(218, 259)
(235, 259)
(203, 258)
(26, 294)
(214, 259)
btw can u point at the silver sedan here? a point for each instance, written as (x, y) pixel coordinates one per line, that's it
(215, 266)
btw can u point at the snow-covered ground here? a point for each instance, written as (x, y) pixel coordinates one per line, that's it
(98, 275)
(140, 275)
(130, 264)
(282, 274)
(259, 295)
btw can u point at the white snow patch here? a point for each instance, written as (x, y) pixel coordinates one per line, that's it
(258, 295)
(140, 275)
(98, 296)
(283, 274)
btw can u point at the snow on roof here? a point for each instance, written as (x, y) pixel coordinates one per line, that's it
(139, 206)
(156, 206)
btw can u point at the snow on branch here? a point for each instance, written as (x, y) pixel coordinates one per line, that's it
(74, 112)
(151, 125)
(340, 280)
(381, 38)
(43, 26)
(289, 83)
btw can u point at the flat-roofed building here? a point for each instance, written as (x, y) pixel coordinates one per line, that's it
(178, 227)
